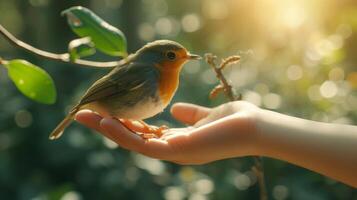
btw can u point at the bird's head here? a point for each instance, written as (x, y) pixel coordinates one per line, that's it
(165, 55)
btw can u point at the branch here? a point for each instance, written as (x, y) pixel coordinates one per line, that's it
(258, 170)
(229, 93)
(64, 57)
(228, 90)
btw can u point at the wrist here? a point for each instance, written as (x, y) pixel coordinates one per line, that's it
(247, 132)
(274, 131)
(261, 125)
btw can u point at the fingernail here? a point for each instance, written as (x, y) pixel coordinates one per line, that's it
(106, 121)
(84, 111)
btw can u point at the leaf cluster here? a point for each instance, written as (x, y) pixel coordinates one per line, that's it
(95, 33)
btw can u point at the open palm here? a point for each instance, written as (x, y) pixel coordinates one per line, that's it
(222, 132)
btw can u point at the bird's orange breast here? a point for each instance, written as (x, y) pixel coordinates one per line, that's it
(169, 80)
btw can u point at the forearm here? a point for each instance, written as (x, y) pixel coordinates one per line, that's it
(329, 149)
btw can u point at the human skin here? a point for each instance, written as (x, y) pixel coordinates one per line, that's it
(241, 129)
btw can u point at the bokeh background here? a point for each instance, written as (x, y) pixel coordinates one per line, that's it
(299, 57)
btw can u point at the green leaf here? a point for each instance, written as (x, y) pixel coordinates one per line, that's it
(32, 81)
(81, 47)
(106, 37)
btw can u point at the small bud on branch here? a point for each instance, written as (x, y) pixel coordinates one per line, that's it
(229, 61)
(214, 92)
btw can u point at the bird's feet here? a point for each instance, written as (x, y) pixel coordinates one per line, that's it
(143, 129)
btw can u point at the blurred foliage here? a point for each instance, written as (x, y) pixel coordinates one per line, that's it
(298, 58)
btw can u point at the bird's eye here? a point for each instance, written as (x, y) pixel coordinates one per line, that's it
(171, 55)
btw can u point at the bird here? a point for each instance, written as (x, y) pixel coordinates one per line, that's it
(139, 88)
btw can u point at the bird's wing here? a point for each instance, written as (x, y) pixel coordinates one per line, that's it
(119, 81)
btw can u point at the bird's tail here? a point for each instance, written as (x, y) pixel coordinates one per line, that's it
(58, 131)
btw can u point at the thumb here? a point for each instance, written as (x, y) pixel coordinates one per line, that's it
(189, 113)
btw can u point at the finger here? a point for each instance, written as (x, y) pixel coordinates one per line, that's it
(131, 141)
(89, 119)
(189, 113)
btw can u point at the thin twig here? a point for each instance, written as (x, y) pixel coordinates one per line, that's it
(229, 93)
(258, 170)
(64, 57)
(210, 59)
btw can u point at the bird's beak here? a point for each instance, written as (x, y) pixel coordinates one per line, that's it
(193, 57)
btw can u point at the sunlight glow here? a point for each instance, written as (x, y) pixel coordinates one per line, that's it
(272, 101)
(153, 166)
(294, 72)
(242, 182)
(167, 26)
(190, 22)
(280, 192)
(174, 193)
(204, 186)
(252, 97)
(215, 9)
(71, 195)
(328, 89)
(23, 118)
(146, 32)
(293, 16)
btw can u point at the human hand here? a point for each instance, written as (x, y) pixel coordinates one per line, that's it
(226, 131)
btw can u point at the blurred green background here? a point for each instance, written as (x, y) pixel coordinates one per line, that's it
(299, 57)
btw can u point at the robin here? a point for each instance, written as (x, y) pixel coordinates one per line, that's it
(141, 87)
